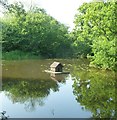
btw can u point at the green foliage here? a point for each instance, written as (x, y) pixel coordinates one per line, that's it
(34, 31)
(95, 29)
(95, 91)
(19, 55)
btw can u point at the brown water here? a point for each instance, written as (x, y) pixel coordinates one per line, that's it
(29, 92)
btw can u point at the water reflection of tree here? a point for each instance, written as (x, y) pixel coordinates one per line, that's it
(96, 92)
(32, 93)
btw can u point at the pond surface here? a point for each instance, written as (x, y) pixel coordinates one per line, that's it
(29, 92)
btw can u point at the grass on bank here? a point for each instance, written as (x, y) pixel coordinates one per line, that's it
(19, 55)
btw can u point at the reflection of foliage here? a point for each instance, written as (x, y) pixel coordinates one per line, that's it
(29, 92)
(96, 91)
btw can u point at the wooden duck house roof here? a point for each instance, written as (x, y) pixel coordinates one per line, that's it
(55, 64)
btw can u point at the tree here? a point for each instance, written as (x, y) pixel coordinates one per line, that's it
(34, 31)
(95, 26)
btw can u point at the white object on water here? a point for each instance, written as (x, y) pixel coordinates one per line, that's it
(88, 86)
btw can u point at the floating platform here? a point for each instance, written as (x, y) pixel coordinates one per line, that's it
(65, 72)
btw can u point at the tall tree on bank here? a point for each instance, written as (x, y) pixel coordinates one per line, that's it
(34, 31)
(96, 29)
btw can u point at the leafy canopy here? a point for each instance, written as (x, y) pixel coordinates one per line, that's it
(95, 30)
(34, 31)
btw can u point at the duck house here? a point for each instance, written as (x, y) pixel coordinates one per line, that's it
(56, 67)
